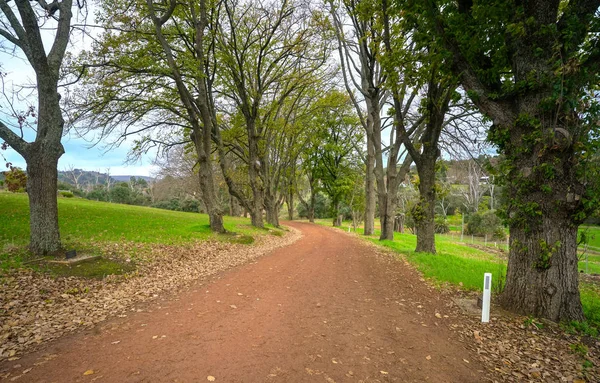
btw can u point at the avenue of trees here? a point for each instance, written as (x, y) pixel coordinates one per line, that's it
(354, 101)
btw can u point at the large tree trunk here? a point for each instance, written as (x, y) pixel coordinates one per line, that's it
(42, 173)
(424, 211)
(542, 278)
(207, 188)
(271, 210)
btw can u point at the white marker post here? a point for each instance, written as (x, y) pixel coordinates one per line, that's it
(487, 295)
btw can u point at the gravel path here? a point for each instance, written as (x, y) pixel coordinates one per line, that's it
(328, 308)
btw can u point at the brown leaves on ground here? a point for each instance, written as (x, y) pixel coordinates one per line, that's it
(516, 352)
(36, 307)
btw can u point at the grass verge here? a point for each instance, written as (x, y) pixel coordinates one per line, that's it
(89, 226)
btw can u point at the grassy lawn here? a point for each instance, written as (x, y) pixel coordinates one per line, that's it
(83, 223)
(459, 264)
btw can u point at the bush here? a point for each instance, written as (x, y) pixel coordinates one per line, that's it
(486, 223)
(98, 195)
(15, 180)
(120, 194)
(322, 207)
(441, 226)
(190, 205)
(66, 193)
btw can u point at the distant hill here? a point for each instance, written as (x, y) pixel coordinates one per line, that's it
(127, 178)
(84, 177)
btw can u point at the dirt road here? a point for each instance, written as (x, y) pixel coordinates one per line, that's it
(325, 309)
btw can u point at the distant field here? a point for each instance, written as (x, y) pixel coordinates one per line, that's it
(83, 221)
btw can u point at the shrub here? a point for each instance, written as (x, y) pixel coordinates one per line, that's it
(15, 180)
(486, 223)
(441, 225)
(66, 193)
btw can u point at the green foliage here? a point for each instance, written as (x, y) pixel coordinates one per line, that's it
(15, 180)
(66, 193)
(544, 260)
(579, 349)
(187, 205)
(120, 194)
(485, 223)
(441, 225)
(99, 194)
(322, 207)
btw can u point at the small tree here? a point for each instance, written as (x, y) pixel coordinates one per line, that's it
(21, 24)
(15, 180)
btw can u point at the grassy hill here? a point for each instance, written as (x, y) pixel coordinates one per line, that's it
(83, 222)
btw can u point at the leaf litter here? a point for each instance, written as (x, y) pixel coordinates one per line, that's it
(36, 308)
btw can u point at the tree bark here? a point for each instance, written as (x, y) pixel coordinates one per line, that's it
(424, 211)
(370, 202)
(271, 210)
(290, 205)
(542, 277)
(42, 175)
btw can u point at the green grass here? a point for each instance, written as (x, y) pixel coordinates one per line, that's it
(593, 234)
(84, 224)
(94, 269)
(454, 263)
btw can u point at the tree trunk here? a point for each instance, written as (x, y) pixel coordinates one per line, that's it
(271, 210)
(234, 206)
(313, 202)
(203, 143)
(336, 215)
(42, 176)
(370, 202)
(290, 206)
(254, 174)
(424, 212)
(387, 216)
(542, 278)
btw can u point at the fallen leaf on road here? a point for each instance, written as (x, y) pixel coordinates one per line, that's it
(210, 378)
(384, 372)
(89, 372)
(438, 315)
(233, 306)
(116, 342)
(428, 357)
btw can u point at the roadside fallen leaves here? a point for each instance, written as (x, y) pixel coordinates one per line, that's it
(511, 351)
(36, 308)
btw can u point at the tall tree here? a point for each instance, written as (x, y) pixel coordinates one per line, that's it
(358, 42)
(334, 158)
(198, 106)
(533, 68)
(266, 50)
(365, 42)
(21, 28)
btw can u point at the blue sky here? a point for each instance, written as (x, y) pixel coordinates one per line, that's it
(78, 152)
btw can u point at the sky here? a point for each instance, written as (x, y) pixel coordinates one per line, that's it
(79, 152)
